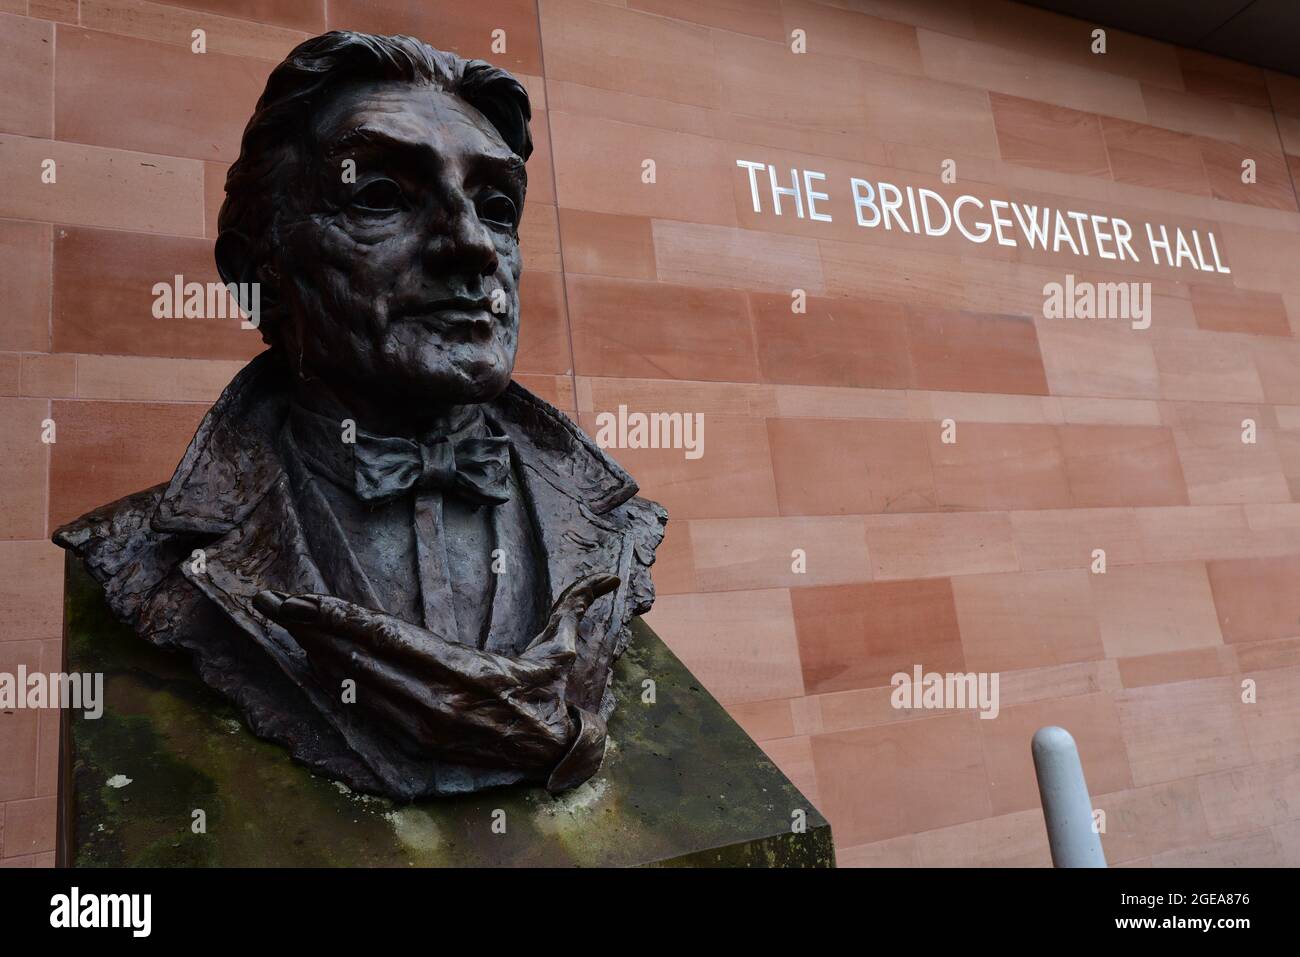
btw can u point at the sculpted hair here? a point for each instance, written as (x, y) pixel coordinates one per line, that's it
(279, 127)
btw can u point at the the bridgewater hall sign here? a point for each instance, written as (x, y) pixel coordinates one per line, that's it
(924, 212)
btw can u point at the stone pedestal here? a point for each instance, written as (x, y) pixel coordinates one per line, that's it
(682, 784)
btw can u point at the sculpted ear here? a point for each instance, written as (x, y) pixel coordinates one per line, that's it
(234, 254)
(237, 261)
(237, 264)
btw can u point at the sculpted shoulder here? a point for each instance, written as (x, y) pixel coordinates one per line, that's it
(648, 522)
(107, 537)
(124, 552)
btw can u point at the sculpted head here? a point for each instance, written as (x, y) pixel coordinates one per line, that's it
(376, 200)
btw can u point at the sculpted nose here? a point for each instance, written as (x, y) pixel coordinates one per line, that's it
(463, 245)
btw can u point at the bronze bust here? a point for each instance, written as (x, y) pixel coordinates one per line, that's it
(398, 563)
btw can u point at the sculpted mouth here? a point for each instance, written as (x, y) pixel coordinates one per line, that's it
(451, 304)
(451, 313)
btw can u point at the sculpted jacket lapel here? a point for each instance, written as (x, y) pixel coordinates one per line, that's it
(570, 486)
(263, 545)
(231, 483)
(268, 550)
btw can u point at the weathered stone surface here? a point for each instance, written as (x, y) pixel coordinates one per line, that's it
(682, 785)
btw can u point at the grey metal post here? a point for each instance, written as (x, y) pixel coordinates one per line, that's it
(1067, 808)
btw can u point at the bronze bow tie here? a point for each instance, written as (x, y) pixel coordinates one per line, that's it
(475, 469)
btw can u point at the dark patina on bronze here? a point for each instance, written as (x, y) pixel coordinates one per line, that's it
(397, 562)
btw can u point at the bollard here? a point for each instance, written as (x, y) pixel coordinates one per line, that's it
(1067, 808)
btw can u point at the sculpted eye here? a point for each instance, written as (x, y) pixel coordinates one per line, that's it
(498, 209)
(379, 196)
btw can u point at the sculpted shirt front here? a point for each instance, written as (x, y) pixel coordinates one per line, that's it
(479, 584)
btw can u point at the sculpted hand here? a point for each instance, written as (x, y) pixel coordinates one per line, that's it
(461, 703)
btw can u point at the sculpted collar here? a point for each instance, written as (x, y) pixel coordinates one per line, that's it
(230, 466)
(470, 462)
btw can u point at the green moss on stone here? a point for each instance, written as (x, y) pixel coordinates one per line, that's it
(682, 785)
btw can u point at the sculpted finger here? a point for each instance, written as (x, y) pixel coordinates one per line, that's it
(333, 616)
(327, 653)
(270, 603)
(328, 628)
(339, 631)
(289, 610)
(397, 641)
(578, 597)
(346, 619)
(557, 644)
